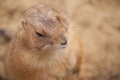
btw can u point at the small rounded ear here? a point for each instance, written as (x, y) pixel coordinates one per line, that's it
(23, 24)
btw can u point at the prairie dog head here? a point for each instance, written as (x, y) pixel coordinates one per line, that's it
(45, 28)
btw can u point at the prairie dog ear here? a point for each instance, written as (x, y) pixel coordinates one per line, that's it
(23, 24)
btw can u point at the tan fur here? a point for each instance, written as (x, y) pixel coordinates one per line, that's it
(34, 56)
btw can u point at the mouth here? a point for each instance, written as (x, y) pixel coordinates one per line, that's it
(53, 47)
(63, 46)
(57, 47)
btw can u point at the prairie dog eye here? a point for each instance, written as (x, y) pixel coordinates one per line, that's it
(39, 34)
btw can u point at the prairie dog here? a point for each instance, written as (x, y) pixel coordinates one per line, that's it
(45, 48)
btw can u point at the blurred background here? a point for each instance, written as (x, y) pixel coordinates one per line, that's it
(98, 22)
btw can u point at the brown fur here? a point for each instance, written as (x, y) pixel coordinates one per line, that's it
(39, 50)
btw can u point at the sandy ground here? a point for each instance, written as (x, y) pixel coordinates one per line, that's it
(98, 22)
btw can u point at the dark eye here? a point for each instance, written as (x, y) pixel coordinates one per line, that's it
(39, 34)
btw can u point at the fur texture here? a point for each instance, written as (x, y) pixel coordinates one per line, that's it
(45, 47)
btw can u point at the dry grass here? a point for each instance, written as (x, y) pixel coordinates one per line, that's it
(98, 22)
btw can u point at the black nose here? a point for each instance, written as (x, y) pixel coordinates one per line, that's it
(64, 42)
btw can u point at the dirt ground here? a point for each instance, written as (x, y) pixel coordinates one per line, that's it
(98, 22)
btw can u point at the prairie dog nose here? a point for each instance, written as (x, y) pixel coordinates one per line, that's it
(64, 41)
